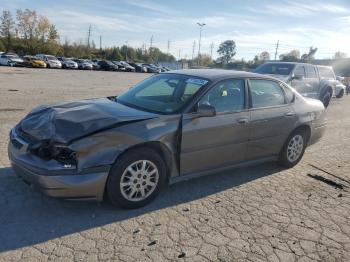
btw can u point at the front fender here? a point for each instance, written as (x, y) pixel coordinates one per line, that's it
(103, 148)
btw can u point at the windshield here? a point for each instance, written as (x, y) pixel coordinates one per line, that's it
(275, 69)
(50, 57)
(11, 56)
(164, 93)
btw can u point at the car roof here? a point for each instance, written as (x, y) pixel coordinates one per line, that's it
(217, 74)
(286, 63)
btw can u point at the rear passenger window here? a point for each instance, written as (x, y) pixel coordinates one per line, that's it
(226, 96)
(310, 72)
(326, 72)
(299, 71)
(265, 93)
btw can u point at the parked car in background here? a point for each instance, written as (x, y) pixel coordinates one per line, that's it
(327, 75)
(68, 63)
(83, 64)
(340, 89)
(170, 127)
(121, 67)
(139, 67)
(95, 65)
(152, 68)
(50, 60)
(127, 66)
(9, 59)
(32, 61)
(307, 79)
(166, 69)
(107, 65)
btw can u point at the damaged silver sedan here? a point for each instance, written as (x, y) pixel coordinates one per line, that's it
(170, 127)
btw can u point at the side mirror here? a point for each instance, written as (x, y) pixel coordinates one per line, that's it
(206, 110)
(298, 77)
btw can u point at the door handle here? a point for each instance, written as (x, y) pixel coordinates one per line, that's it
(288, 114)
(243, 120)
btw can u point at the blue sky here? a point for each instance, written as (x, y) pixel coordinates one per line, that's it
(254, 25)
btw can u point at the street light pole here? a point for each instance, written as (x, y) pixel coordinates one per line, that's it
(126, 51)
(200, 39)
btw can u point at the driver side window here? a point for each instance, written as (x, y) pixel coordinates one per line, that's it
(226, 96)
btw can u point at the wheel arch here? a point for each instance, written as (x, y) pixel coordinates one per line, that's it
(305, 128)
(324, 89)
(163, 150)
(159, 147)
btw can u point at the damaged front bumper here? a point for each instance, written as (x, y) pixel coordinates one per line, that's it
(53, 178)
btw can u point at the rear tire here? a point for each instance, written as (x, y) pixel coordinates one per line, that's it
(341, 94)
(293, 149)
(136, 178)
(326, 98)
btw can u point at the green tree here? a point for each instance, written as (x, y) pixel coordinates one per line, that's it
(227, 50)
(292, 56)
(7, 25)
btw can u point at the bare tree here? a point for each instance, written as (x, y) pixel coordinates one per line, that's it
(309, 56)
(339, 55)
(264, 56)
(7, 25)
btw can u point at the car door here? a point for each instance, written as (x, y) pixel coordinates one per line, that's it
(3, 60)
(312, 82)
(220, 140)
(298, 80)
(272, 118)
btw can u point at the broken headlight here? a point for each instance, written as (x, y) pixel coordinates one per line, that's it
(64, 155)
(60, 153)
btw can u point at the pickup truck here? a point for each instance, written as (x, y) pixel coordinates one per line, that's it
(309, 80)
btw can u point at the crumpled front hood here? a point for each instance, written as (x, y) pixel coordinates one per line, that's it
(68, 121)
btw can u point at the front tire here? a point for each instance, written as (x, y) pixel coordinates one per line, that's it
(136, 178)
(293, 149)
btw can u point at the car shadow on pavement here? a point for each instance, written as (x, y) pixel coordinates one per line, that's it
(27, 217)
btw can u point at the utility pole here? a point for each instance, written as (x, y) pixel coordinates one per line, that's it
(179, 53)
(151, 43)
(126, 51)
(150, 48)
(199, 43)
(168, 47)
(89, 35)
(100, 42)
(143, 48)
(278, 42)
(193, 47)
(211, 50)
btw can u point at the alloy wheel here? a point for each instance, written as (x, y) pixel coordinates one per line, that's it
(139, 180)
(295, 148)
